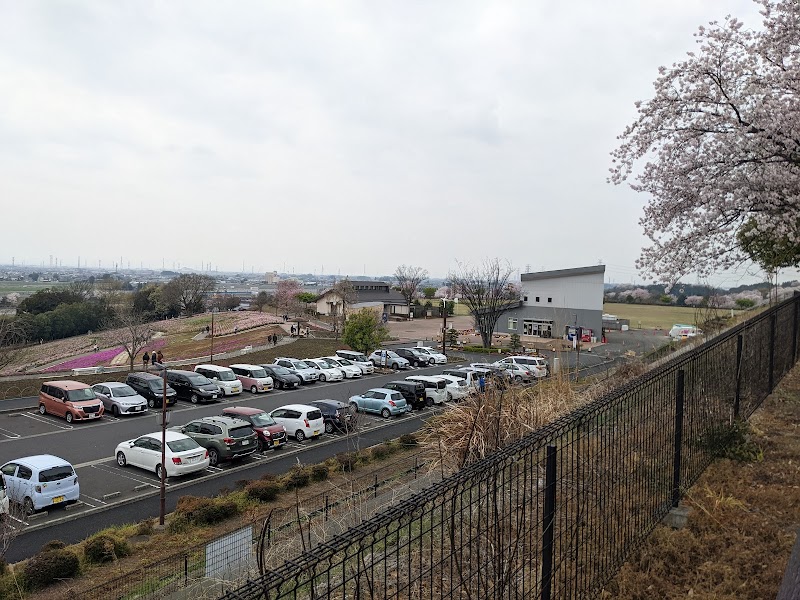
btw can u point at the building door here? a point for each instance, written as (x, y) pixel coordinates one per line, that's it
(527, 327)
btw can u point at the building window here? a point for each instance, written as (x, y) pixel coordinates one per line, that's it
(512, 324)
(550, 300)
(524, 298)
(537, 298)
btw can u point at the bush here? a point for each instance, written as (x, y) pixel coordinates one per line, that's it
(53, 545)
(145, 527)
(105, 548)
(205, 511)
(269, 477)
(263, 491)
(380, 452)
(319, 472)
(347, 461)
(50, 566)
(178, 524)
(491, 350)
(408, 439)
(297, 478)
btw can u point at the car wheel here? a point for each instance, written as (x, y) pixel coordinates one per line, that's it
(279, 385)
(299, 435)
(517, 379)
(151, 403)
(374, 363)
(253, 389)
(354, 407)
(121, 460)
(69, 417)
(159, 470)
(115, 410)
(395, 367)
(386, 413)
(42, 409)
(27, 506)
(431, 360)
(221, 393)
(322, 377)
(428, 402)
(213, 457)
(328, 427)
(194, 399)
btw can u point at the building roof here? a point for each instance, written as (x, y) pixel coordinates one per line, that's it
(387, 297)
(594, 269)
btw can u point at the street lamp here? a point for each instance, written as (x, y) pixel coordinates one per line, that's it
(213, 310)
(164, 421)
(444, 325)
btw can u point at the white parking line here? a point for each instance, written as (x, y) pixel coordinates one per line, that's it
(116, 471)
(89, 503)
(91, 463)
(95, 499)
(211, 469)
(46, 421)
(9, 434)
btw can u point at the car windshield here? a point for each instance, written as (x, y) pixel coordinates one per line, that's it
(123, 391)
(263, 420)
(79, 395)
(55, 473)
(299, 364)
(326, 364)
(344, 361)
(226, 376)
(258, 373)
(281, 371)
(183, 445)
(199, 379)
(360, 358)
(157, 386)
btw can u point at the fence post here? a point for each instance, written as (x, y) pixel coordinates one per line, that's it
(185, 570)
(676, 458)
(548, 523)
(376, 486)
(326, 507)
(772, 323)
(794, 327)
(737, 399)
(415, 467)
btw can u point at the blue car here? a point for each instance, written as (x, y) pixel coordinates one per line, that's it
(380, 401)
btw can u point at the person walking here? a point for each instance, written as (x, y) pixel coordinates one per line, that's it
(481, 383)
(145, 359)
(160, 357)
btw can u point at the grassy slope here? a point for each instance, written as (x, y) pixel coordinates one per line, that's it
(652, 316)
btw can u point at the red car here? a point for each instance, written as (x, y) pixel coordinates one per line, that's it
(270, 434)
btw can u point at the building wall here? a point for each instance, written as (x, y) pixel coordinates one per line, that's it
(583, 292)
(560, 318)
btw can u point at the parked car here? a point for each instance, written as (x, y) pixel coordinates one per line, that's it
(433, 355)
(457, 388)
(282, 378)
(415, 358)
(520, 373)
(435, 387)
(225, 438)
(537, 364)
(72, 400)
(382, 401)
(326, 371)
(358, 359)
(337, 415)
(389, 359)
(120, 398)
(348, 369)
(182, 454)
(253, 377)
(270, 433)
(192, 386)
(300, 420)
(151, 387)
(413, 392)
(36, 482)
(469, 376)
(224, 377)
(5, 507)
(298, 367)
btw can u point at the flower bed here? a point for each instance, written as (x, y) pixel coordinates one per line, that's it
(90, 360)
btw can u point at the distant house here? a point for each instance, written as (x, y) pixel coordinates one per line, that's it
(376, 295)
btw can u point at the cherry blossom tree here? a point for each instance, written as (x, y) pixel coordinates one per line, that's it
(718, 144)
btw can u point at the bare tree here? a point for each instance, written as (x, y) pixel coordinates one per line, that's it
(131, 331)
(188, 292)
(12, 337)
(346, 297)
(409, 279)
(486, 291)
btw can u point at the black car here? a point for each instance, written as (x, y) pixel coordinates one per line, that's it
(282, 378)
(337, 415)
(414, 358)
(151, 387)
(193, 386)
(413, 392)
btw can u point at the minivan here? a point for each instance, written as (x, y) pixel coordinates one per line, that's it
(413, 392)
(193, 387)
(253, 377)
(151, 387)
(36, 482)
(224, 377)
(73, 400)
(435, 387)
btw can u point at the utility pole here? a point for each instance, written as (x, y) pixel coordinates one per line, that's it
(444, 325)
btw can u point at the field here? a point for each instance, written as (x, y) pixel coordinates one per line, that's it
(649, 316)
(27, 287)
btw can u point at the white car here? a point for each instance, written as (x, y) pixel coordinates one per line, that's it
(326, 371)
(120, 398)
(434, 357)
(388, 359)
(358, 359)
(36, 482)
(457, 387)
(348, 369)
(298, 367)
(435, 387)
(536, 364)
(183, 455)
(300, 420)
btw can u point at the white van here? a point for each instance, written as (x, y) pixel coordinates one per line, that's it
(679, 332)
(224, 377)
(435, 387)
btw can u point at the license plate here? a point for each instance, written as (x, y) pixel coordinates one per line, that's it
(316, 432)
(58, 499)
(276, 443)
(192, 459)
(94, 415)
(214, 397)
(245, 442)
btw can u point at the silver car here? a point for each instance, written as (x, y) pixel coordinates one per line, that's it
(298, 367)
(120, 398)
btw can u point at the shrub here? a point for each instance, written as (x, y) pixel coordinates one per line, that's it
(205, 511)
(298, 477)
(50, 566)
(263, 491)
(408, 439)
(105, 548)
(269, 477)
(53, 545)
(178, 524)
(319, 472)
(380, 452)
(145, 527)
(347, 461)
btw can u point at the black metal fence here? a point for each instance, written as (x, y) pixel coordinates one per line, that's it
(556, 514)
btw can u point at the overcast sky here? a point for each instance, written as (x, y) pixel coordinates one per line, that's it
(329, 136)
